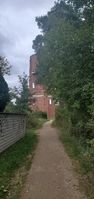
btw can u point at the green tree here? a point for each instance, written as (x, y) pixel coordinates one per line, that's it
(66, 58)
(37, 43)
(21, 95)
(4, 66)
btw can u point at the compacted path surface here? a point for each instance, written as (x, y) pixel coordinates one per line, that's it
(51, 175)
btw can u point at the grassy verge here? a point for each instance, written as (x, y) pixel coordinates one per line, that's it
(83, 159)
(41, 121)
(34, 121)
(14, 163)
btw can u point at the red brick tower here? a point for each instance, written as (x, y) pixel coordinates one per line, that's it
(41, 101)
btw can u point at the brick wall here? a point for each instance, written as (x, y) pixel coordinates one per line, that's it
(12, 129)
(41, 99)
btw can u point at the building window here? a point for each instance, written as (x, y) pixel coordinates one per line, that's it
(50, 101)
(33, 72)
(33, 85)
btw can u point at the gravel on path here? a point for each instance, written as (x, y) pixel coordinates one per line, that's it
(51, 175)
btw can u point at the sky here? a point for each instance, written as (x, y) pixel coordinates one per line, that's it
(17, 31)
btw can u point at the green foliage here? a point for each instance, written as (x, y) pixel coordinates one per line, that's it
(14, 158)
(4, 66)
(35, 119)
(62, 114)
(21, 95)
(40, 114)
(10, 108)
(32, 121)
(37, 43)
(80, 149)
(77, 146)
(66, 60)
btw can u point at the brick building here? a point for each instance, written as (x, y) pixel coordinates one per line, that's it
(40, 100)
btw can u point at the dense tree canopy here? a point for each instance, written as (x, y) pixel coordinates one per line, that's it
(4, 66)
(66, 57)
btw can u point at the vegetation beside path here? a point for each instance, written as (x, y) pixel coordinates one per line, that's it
(80, 150)
(16, 160)
(65, 51)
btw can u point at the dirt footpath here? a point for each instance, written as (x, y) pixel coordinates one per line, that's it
(51, 175)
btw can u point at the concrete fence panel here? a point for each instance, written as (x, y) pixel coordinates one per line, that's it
(12, 129)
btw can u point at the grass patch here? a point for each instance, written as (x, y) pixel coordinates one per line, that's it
(14, 158)
(34, 121)
(78, 150)
(82, 155)
(41, 121)
(71, 144)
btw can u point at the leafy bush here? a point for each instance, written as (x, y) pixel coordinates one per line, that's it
(35, 119)
(62, 118)
(32, 121)
(75, 136)
(40, 114)
(62, 114)
(66, 61)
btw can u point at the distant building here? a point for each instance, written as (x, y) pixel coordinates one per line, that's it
(40, 101)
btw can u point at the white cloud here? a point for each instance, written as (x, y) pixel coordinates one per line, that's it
(17, 31)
